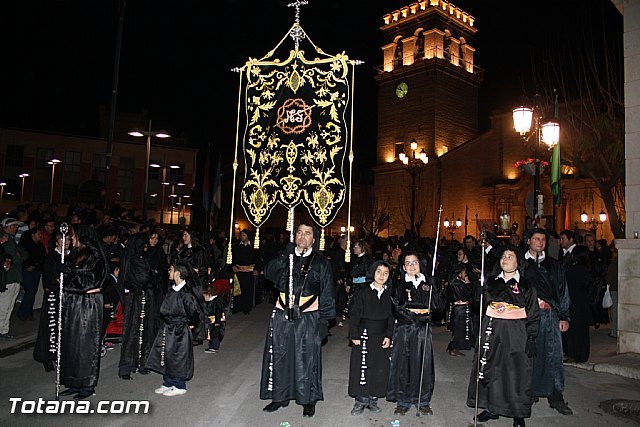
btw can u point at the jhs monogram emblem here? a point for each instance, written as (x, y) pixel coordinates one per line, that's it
(294, 116)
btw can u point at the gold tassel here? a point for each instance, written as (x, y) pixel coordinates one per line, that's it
(347, 253)
(256, 242)
(229, 254)
(322, 239)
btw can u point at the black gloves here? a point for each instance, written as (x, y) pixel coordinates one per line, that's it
(323, 329)
(290, 248)
(530, 348)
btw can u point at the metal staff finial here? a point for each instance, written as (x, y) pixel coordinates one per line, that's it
(297, 5)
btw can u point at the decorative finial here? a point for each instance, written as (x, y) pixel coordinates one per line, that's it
(297, 5)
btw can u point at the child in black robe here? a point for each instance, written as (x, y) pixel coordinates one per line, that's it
(172, 352)
(214, 310)
(370, 330)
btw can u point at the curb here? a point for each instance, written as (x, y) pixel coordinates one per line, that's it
(608, 368)
(20, 346)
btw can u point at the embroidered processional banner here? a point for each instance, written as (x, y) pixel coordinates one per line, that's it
(295, 136)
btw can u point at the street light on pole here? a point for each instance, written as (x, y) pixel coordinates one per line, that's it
(148, 133)
(528, 120)
(413, 165)
(53, 162)
(163, 183)
(2, 185)
(22, 176)
(452, 226)
(593, 223)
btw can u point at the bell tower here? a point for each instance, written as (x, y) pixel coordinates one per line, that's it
(427, 94)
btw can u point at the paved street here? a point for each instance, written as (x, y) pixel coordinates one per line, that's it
(224, 391)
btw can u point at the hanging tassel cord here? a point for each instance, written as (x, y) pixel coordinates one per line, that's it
(235, 173)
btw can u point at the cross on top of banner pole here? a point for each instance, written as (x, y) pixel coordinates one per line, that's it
(297, 5)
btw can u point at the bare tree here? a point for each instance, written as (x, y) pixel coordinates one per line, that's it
(588, 76)
(375, 220)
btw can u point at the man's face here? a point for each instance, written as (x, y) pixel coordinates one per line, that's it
(304, 237)
(565, 243)
(244, 238)
(537, 242)
(514, 240)
(590, 242)
(12, 229)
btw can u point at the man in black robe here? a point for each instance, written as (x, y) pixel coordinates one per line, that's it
(244, 267)
(292, 360)
(546, 275)
(46, 344)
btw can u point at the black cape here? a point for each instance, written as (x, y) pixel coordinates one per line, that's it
(172, 350)
(82, 319)
(139, 314)
(46, 342)
(371, 322)
(292, 358)
(505, 384)
(412, 340)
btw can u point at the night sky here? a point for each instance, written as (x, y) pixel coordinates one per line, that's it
(176, 57)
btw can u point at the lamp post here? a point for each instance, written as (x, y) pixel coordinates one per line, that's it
(23, 176)
(163, 184)
(2, 185)
(148, 133)
(527, 120)
(452, 226)
(413, 165)
(593, 223)
(53, 162)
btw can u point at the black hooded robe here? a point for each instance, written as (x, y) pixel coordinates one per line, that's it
(46, 346)
(139, 315)
(371, 322)
(505, 386)
(292, 358)
(549, 282)
(411, 340)
(172, 350)
(82, 319)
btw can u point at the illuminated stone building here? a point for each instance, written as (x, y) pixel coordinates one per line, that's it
(428, 96)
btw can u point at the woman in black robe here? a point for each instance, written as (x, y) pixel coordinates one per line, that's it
(139, 314)
(244, 265)
(509, 329)
(576, 339)
(195, 254)
(172, 351)
(370, 331)
(46, 344)
(413, 302)
(86, 270)
(460, 297)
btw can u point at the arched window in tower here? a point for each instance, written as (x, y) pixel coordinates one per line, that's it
(397, 56)
(419, 55)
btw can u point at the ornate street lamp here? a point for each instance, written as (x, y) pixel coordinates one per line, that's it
(148, 133)
(452, 226)
(527, 120)
(594, 222)
(414, 165)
